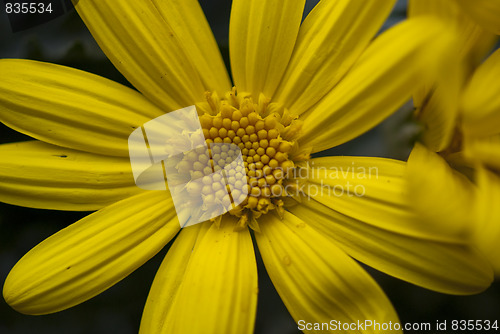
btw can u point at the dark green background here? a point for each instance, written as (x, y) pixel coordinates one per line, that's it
(66, 41)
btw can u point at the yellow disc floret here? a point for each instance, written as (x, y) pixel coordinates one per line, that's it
(258, 133)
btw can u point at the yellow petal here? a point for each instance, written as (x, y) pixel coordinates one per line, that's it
(39, 175)
(436, 108)
(382, 79)
(436, 102)
(316, 280)
(218, 293)
(440, 266)
(143, 46)
(487, 225)
(262, 35)
(481, 101)
(484, 150)
(330, 40)
(485, 12)
(439, 195)
(379, 228)
(475, 41)
(91, 255)
(377, 185)
(157, 315)
(186, 19)
(70, 108)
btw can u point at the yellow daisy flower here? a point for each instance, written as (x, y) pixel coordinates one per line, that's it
(462, 125)
(308, 86)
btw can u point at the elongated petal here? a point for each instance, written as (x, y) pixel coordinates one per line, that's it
(91, 255)
(438, 194)
(330, 40)
(316, 280)
(475, 41)
(436, 108)
(70, 108)
(440, 266)
(218, 292)
(145, 48)
(262, 35)
(484, 150)
(485, 12)
(373, 223)
(488, 217)
(481, 101)
(157, 315)
(40, 175)
(382, 79)
(377, 185)
(189, 24)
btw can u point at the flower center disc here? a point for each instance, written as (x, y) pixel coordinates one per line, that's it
(266, 137)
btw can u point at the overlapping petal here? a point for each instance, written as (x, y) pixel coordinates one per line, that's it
(475, 41)
(438, 194)
(158, 312)
(91, 255)
(330, 40)
(316, 280)
(487, 231)
(440, 266)
(484, 150)
(379, 228)
(481, 99)
(436, 109)
(70, 108)
(186, 19)
(160, 47)
(377, 185)
(383, 78)
(215, 290)
(262, 36)
(485, 12)
(147, 50)
(40, 175)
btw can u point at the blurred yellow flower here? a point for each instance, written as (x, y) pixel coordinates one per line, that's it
(463, 126)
